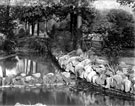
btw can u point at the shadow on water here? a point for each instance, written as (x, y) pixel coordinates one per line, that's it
(52, 96)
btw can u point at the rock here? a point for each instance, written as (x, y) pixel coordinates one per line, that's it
(122, 87)
(133, 80)
(88, 68)
(125, 70)
(50, 74)
(127, 84)
(101, 61)
(66, 74)
(86, 62)
(18, 82)
(7, 81)
(62, 60)
(99, 69)
(74, 58)
(134, 88)
(79, 52)
(123, 65)
(81, 75)
(59, 78)
(49, 78)
(39, 104)
(69, 67)
(99, 81)
(133, 68)
(103, 77)
(94, 78)
(28, 78)
(108, 82)
(118, 78)
(90, 76)
(117, 81)
(74, 62)
(23, 74)
(109, 73)
(36, 75)
(79, 67)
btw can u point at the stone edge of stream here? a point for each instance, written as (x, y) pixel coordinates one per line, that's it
(67, 62)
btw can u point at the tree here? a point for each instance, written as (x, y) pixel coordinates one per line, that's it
(100, 24)
(122, 29)
(131, 3)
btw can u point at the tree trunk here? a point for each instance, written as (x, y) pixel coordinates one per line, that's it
(33, 29)
(26, 65)
(38, 28)
(29, 29)
(79, 21)
(34, 67)
(79, 34)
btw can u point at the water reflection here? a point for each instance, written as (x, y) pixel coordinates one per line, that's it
(15, 65)
(64, 97)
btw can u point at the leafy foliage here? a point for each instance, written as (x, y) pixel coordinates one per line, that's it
(130, 3)
(122, 29)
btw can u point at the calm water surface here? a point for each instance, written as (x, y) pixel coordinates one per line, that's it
(49, 96)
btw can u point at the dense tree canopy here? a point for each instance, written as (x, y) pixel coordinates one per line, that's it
(122, 30)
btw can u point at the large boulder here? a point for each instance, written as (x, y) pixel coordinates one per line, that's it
(94, 78)
(63, 60)
(118, 78)
(87, 69)
(99, 81)
(90, 76)
(99, 69)
(69, 67)
(28, 78)
(127, 84)
(79, 67)
(117, 81)
(109, 81)
(66, 74)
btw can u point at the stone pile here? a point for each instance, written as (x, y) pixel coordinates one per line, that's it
(36, 79)
(97, 71)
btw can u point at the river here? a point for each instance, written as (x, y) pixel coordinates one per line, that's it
(55, 96)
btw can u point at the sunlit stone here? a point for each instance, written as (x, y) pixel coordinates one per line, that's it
(28, 78)
(94, 78)
(66, 74)
(23, 74)
(127, 85)
(90, 75)
(36, 75)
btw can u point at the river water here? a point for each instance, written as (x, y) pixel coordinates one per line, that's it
(55, 96)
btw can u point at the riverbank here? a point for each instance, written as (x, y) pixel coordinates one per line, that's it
(87, 66)
(96, 71)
